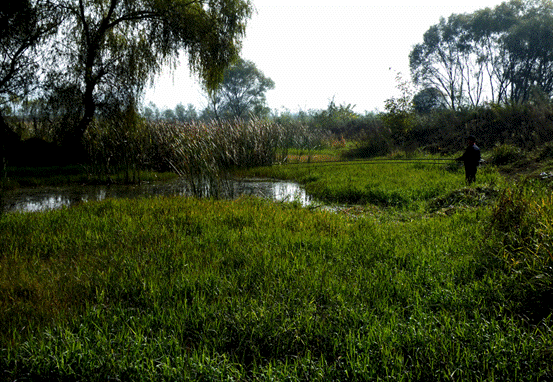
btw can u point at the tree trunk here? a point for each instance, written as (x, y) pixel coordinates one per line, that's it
(73, 143)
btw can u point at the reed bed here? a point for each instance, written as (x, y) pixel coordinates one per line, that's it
(205, 153)
(176, 289)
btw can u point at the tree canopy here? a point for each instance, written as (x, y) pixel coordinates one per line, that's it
(496, 55)
(23, 25)
(106, 51)
(242, 91)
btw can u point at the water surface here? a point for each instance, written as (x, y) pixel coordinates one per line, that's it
(41, 199)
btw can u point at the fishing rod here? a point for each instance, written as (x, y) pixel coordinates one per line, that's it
(382, 160)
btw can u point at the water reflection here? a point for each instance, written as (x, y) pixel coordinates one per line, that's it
(31, 200)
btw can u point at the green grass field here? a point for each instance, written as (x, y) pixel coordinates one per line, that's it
(424, 280)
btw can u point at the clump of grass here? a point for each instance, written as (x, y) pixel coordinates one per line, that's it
(503, 154)
(465, 198)
(522, 223)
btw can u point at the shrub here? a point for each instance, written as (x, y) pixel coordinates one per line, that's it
(546, 152)
(504, 154)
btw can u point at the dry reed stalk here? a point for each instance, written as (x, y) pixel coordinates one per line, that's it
(205, 153)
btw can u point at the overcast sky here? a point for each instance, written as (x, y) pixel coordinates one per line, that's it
(350, 52)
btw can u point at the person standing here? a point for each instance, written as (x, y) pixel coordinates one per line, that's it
(471, 158)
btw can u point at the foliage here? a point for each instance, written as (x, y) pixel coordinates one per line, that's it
(23, 26)
(436, 62)
(522, 222)
(188, 114)
(241, 94)
(428, 100)
(109, 49)
(204, 153)
(399, 110)
(525, 126)
(335, 119)
(500, 53)
(124, 144)
(504, 154)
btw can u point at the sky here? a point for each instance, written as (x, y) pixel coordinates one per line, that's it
(350, 53)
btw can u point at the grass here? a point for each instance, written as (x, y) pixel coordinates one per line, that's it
(177, 289)
(410, 185)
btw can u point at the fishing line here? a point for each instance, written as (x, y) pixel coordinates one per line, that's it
(438, 161)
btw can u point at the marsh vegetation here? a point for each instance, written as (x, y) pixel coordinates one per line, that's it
(410, 275)
(420, 278)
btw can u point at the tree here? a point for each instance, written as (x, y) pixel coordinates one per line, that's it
(242, 92)
(502, 53)
(335, 119)
(187, 114)
(529, 45)
(169, 115)
(428, 100)
(112, 47)
(399, 117)
(488, 28)
(23, 25)
(435, 62)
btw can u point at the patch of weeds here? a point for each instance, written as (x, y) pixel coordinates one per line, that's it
(465, 197)
(521, 225)
(504, 154)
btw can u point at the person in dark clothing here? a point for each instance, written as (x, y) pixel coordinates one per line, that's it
(471, 158)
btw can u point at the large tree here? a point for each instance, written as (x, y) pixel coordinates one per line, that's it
(529, 46)
(242, 91)
(437, 61)
(503, 53)
(111, 48)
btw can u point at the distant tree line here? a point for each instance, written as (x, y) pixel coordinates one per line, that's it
(240, 95)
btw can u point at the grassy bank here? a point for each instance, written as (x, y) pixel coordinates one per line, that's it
(435, 287)
(402, 183)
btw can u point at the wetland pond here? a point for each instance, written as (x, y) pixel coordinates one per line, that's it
(41, 199)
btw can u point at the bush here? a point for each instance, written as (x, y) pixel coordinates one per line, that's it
(504, 154)
(546, 152)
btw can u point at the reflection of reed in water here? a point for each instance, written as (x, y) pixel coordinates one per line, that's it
(40, 200)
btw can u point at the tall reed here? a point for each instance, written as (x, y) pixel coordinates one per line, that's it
(120, 145)
(205, 153)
